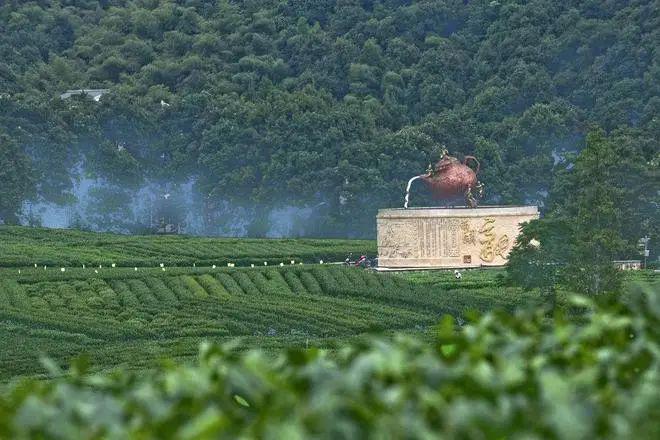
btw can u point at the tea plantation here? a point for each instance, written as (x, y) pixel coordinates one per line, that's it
(520, 375)
(21, 247)
(132, 318)
(286, 347)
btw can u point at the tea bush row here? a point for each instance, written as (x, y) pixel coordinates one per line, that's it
(24, 247)
(152, 306)
(521, 375)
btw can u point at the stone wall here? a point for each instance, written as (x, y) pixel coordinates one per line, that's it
(449, 237)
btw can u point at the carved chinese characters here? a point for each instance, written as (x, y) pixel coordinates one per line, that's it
(492, 246)
(469, 234)
(438, 237)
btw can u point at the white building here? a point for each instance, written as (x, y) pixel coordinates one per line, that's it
(95, 94)
(628, 264)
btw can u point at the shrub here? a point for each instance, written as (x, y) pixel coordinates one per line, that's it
(310, 283)
(246, 284)
(192, 285)
(229, 283)
(23, 247)
(213, 286)
(294, 282)
(500, 376)
(160, 290)
(124, 294)
(142, 292)
(277, 282)
(179, 288)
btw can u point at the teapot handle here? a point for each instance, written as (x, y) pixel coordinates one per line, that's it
(474, 159)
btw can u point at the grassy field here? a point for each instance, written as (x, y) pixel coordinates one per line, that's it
(23, 247)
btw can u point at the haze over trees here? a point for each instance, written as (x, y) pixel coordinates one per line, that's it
(328, 105)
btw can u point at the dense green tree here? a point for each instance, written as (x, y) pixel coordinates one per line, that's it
(540, 257)
(250, 98)
(612, 186)
(600, 207)
(602, 197)
(16, 179)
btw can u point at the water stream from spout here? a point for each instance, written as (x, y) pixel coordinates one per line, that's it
(405, 203)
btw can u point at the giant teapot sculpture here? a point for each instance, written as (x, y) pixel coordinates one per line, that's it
(450, 179)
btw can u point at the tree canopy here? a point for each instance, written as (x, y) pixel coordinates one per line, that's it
(598, 211)
(15, 179)
(330, 105)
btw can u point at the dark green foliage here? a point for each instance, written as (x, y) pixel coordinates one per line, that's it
(193, 286)
(229, 283)
(599, 211)
(325, 104)
(610, 200)
(311, 284)
(16, 180)
(124, 295)
(294, 283)
(542, 263)
(500, 376)
(142, 292)
(177, 286)
(162, 292)
(246, 284)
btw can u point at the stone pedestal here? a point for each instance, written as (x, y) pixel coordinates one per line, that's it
(456, 237)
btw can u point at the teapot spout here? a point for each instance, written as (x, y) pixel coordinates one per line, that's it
(407, 198)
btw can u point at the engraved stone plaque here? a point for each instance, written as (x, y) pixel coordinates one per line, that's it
(449, 237)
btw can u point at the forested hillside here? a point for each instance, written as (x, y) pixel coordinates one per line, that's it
(239, 108)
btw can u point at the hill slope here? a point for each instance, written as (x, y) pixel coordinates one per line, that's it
(328, 104)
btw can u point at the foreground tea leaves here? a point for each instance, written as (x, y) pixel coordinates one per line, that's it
(500, 376)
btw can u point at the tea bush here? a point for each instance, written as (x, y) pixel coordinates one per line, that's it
(502, 375)
(24, 247)
(153, 313)
(132, 318)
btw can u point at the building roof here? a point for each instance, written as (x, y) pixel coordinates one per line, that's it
(95, 94)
